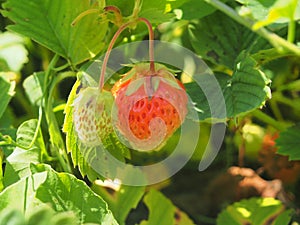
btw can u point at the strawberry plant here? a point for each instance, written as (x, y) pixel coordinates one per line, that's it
(149, 112)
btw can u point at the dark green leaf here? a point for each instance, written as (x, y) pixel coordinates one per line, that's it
(196, 9)
(244, 91)
(220, 39)
(48, 22)
(288, 142)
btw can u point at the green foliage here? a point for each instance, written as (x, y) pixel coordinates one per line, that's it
(7, 91)
(255, 211)
(220, 40)
(58, 190)
(288, 143)
(252, 48)
(12, 52)
(49, 23)
(27, 152)
(42, 216)
(244, 91)
(123, 200)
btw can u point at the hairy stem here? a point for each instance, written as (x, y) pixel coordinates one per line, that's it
(114, 39)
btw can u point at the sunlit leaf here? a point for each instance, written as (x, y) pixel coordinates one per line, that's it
(62, 191)
(17, 164)
(48, 22)
(256, 211)
(282, 9)
(33, 88)
(7, 91)
(288, 142)
(12, 50)
(161, 209)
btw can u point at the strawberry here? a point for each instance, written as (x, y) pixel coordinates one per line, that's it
(92, 115)
(149, 107)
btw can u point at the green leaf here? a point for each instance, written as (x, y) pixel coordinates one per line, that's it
(256, 211)
(122, 201)
(17, 164)
(12, 50)
(288, 142)
(44, 215)
(257, 8)
(288, 9)
(244, 91)
(220, 39)
(11, 216)
(161, 209)
(33, 88)
(48, 22)
(7, 91)
(62, 191)
(196, 9)
(21, 195)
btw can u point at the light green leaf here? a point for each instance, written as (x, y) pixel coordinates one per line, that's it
(7, 91)
(33, 88)
(11, 216)
(122, 201)
(17, 164)
(44, 215)
(21, 195)
(257, 8)
(48, 22)
(244, 91)
(62, 191)
(220, 39)
(282, 9)
(12, 50)
(253, 211)
(161, 209)
(288, 142)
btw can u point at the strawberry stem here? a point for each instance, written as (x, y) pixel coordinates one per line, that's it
(151, 43)
(107, 54)
(114, 39)
(117, 13)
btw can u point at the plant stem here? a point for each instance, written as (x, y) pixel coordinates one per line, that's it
(107, 54)
(291, 31)
(268, 120)
(114, 39)
(278, 42)
(54, 131)
(83, 14)
(117, 13)
(151, 43)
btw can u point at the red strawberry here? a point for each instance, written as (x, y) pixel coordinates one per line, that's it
(150, 107)
(92, 115)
